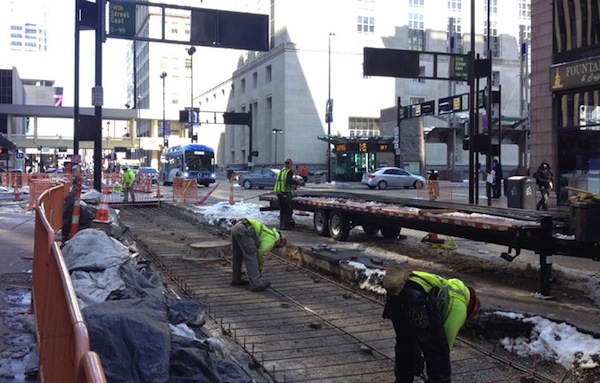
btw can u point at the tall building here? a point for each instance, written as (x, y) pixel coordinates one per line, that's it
(316, 54)
(565, 106)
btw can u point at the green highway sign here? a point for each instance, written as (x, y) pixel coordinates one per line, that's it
(121, 18)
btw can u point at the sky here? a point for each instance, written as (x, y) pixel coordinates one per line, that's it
(559, 342)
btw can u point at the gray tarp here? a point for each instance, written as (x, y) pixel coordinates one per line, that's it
(142, 333)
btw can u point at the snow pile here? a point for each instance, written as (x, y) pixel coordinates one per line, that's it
(556, 341)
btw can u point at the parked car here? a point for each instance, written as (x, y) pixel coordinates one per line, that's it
(260, 178)
(390, 176)
(148, 170)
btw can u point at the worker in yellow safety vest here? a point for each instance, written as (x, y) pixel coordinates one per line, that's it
(283, 188)
(427, 312)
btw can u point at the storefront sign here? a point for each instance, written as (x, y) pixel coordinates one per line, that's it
(575, 74)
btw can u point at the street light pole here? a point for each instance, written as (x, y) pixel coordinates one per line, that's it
(163, 75)
(275, 132)
(329, 112)
(191, 50)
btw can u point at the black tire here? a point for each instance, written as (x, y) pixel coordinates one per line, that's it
(247, 184)
(382, 185)
(390, 232)
(339, 227)
(321, 222)
(418, 184)
(370, 230)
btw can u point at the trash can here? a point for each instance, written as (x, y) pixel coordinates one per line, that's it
(521, 192)
(584, 220)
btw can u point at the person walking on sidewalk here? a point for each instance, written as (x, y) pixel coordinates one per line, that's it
(498, 176)
(283, 188)
(427, 312)
(543, 177)
(251, 242)
(128, 180)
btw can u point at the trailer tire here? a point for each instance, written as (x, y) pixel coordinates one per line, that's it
(370, 230)
(339, 227)
(390, 232)
(321, 222)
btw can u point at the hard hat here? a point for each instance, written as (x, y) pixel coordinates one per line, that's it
(474, 304)
(282, 241)
(289, 161)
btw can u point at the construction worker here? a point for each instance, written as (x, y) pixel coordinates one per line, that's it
(283, 188)
(128, 180)
(252, 241)
(427, 312)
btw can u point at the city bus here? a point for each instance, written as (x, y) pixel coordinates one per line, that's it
(188, 161)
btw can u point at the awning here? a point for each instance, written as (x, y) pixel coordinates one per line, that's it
(6, 143)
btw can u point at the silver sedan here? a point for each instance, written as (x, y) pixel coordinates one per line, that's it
(390, 176)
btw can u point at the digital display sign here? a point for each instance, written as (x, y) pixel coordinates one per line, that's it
(363, 147)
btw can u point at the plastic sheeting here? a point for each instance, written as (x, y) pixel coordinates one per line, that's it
(140, 331)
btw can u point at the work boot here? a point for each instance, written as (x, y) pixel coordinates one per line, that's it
(241, 282)
(262, 287)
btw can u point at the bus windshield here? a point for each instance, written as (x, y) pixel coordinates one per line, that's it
(199, 160)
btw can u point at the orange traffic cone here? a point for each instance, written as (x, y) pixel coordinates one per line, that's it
(432, 238)
(102, 213)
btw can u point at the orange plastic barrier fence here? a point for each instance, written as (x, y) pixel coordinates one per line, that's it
(436, 191)
(36, 188)
(64, 346)
(186, 189)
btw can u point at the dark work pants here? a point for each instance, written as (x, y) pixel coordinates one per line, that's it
(285, 211)
(418, 326)
(244, 250)
(543, 203)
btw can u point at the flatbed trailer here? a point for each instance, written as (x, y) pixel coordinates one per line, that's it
(336, 213)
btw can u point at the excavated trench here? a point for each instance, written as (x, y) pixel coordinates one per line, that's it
(314, 324)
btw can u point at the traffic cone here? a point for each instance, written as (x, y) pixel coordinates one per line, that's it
(76, 211)
(432, 238)
(102, 213)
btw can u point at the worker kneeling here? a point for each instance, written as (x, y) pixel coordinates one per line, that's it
(427, 312)
(252, 241)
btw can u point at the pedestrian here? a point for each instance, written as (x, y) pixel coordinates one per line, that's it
(252, 241)
(498, 177)
(283, 188)
(543, 177)
(304, 172)
(229, 173)
(434, 186)
(427, 312)
(128, 179)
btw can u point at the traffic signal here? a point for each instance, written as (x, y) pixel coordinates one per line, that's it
(255, 153)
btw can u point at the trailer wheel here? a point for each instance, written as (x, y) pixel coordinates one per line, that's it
(321, 222)
(339, 227)
(390, 232)
(371, 230)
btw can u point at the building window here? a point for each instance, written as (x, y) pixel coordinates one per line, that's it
(494, 45)
(268, 73)
(525, 9)
(455, 36)
(416, 32)
(363, 126)
(188, 64)
(254, 80)
(416, 3)
(366, 24)
(416, 100)
(243, 86)
(493, 6)
(495, 79)
(455, 5)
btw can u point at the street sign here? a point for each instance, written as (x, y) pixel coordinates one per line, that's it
(121, 18)
(459, 67)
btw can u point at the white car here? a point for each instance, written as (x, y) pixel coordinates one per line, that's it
(390, 176)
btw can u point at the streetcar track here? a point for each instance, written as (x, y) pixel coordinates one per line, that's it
(306, 327)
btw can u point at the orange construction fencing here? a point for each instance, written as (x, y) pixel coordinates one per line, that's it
(64, 346)
(436, 191)
(185, 189)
